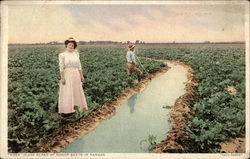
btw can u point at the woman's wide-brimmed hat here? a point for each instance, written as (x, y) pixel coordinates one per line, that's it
(70, 40)
(131, 46)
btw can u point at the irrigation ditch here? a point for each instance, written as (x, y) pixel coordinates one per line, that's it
(179, 117)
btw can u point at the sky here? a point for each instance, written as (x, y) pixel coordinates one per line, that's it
(149, 23)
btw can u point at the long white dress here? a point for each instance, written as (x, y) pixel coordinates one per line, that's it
(71, 93)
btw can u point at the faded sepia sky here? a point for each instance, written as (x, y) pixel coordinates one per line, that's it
(149, 23)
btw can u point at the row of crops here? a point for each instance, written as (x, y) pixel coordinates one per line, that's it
(33, 89)
(219, 114)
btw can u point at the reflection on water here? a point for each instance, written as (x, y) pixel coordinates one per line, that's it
(132, 102)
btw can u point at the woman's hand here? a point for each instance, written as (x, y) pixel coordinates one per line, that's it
(82, 79)
(63, 81)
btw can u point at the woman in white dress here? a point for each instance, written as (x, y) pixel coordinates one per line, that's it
(71, 93)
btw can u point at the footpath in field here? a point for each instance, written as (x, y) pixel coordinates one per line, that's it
(142, 115)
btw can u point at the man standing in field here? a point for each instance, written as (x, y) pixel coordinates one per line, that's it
(131, 63)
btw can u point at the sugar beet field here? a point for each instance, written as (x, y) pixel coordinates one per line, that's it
(217, 104)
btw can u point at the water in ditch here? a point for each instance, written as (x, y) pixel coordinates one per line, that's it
(142, 115)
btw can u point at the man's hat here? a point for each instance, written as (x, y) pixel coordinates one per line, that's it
(131, 46)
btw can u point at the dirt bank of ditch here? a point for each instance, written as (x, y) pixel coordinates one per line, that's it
(77, 129)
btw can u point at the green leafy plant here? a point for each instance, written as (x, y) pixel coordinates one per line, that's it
(150, 143)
